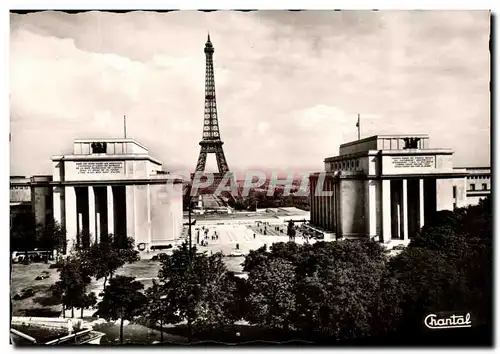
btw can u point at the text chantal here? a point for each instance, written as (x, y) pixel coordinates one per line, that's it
(453, 321)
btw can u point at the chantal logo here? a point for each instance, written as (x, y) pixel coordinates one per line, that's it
(433, 322)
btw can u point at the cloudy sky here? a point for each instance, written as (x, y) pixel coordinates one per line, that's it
(289, 84)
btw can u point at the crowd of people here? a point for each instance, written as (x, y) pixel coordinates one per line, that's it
(204, 237)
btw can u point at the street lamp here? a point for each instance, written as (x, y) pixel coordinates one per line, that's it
(189, 220)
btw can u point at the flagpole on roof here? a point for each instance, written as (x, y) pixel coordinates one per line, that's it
(359, 128)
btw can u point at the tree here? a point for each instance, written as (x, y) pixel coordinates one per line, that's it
(238, 308)
(254, 258)
(23, 232)
(284, 250)
(72, 283)
(197, 288)
(328, 288)
(217, 291)
(291, 230)
(477, 221)
(271, 300)
(86, 301)
(386, 312)
(52, 236)
(454, 251)
(447, 266)
(107, 256)
(442, 238)
(336, 283)
(157, 309)
(122, 299)
(429, 282)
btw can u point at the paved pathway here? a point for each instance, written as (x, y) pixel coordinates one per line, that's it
(232, 235)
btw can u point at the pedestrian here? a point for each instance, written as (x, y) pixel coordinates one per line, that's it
(254, 235)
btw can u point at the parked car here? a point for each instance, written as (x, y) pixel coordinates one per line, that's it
(24, 294)
(159, 257)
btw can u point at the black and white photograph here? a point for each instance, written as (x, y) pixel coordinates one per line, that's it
(251, 178)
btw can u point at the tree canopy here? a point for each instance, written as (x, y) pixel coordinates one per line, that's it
(122, 299)
(107, 256)
(196, 287)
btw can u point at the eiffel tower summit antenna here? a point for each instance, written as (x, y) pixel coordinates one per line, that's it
(211, 142)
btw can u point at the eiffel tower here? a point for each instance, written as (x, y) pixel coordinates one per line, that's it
(211, 142)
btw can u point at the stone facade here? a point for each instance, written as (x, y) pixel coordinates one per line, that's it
(384, 187)
(113, 186)
(31, 195)
(477, 184)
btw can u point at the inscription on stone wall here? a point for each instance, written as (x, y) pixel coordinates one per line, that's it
(412, 161)
(97, 167)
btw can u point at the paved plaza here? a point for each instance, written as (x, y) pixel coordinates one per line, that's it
(245, 237)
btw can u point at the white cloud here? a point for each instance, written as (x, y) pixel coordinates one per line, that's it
(263, 127)
(289, 85)
(318, 115)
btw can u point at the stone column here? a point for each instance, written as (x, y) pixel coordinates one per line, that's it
(330, 206)
(326, 201)
(111, 210)
(92, 216)
(80, 223)
(148, 191)
(316, 210)
(334, 210)
(444, 194)
(319, 203)
(98, 230)
(325, 204)
(325, 207)
(386, 210)
(371, 208)
(130, 210)
(338, 211)
(404, 199)
(70, 216)
(311, 199)
(421, 201)
(58, 217)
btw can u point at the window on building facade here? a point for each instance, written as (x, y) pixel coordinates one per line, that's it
(472, 187)
(454, 191)
(485, 187)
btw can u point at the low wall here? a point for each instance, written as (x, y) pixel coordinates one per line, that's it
(82, 332)
(49, 322)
